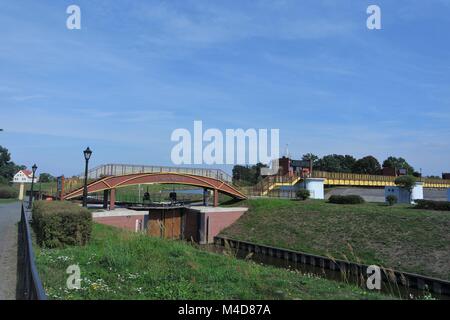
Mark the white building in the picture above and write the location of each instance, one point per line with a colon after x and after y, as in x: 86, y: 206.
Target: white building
x: 404, y: 196
x: 24, y: 176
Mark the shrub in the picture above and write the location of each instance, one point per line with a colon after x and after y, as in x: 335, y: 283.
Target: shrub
x: 432, y: 205
x: 406, y: 182
x: 4, y: 181
x: 7, y: 192
x: 60, y: 223
x: 391, y: 199
x: 302, y: 194
x: 350, y: 199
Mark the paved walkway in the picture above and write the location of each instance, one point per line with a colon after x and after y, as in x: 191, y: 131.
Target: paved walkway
x: 9, y: 216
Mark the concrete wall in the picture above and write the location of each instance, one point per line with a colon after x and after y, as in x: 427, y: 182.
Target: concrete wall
x: 201, y: 223
x: 403, y: 196
x: 214, y: 219
x: 417, y: 191
x: 129, y: 220
x: 315, y: 187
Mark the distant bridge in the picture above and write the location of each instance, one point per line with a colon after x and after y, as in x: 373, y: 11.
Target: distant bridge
x: 338, y: 179
x: 352, y: 179
x: 109, y: 184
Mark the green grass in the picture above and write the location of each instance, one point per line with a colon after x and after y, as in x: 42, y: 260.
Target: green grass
x: 124, y: 265
x: 398, y: 237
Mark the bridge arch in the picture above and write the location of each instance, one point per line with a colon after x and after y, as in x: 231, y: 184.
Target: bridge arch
x: 114, y: 182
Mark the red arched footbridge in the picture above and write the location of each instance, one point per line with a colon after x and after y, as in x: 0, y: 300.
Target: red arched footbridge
x: 111, y: 183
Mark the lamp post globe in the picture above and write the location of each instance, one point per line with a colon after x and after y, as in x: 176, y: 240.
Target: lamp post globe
x: 30, y: 199
x: 87, y: 155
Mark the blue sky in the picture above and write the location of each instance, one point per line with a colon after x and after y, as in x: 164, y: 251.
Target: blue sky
x: 137, y: 70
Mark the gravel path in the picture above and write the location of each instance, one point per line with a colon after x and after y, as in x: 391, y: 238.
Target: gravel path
x: 9, y: 216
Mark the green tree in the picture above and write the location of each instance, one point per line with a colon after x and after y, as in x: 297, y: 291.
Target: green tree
x: 398, y: 163
x: 313, y: 157
x: 337, y: 163
x: 257, y: 171
x: 367, y: 165
x: 46, y: 177
x: 249, y: 175
x: 7, y: 168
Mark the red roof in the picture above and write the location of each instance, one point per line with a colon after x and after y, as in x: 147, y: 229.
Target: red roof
x: 28, y: 173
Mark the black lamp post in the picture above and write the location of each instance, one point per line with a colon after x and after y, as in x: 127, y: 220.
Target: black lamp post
x: 87, y: 156
x: 30, y: 201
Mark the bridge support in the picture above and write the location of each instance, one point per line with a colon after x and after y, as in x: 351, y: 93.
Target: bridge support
x: 21, y: 191
x: 216, y: 198
x: 315, y: 187
x: 105, y: 199
x: 112, y: 200
x: 205, y: 196
x: 417, y: 192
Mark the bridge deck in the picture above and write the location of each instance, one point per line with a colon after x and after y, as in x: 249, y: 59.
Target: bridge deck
x: 124, y: 169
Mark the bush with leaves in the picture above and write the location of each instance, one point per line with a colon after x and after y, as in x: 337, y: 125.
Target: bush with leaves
x: 302, y: 194
x: 432, y: 205
x: 350, y: 199
x: 61, y: 223
x: 406, y: 182
x: 7, y: 192
x: 391, y: 199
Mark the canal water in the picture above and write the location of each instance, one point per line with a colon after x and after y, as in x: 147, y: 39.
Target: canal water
x: 388, y: 288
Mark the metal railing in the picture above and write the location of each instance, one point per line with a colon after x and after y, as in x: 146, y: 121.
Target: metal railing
x: 369, y: 177
x: 267, y: 185
x: 122, y: 169
x: 30, y: 284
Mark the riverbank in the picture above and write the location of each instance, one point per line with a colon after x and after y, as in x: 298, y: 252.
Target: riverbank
x: 397, y: 237
x: 122, y: 265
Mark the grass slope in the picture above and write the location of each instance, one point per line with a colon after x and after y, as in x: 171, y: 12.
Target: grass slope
x: 397, y: 237
x: 123, y: 265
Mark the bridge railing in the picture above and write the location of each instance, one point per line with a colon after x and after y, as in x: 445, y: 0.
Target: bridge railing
x: 30, y: 284
x: 350, y: 176
x: 369, y: 177
x: 264, y: 186
x: 122, y: 169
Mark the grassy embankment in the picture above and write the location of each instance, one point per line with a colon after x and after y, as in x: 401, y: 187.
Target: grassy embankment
x: 397, y: 237
x: 123, y: 265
